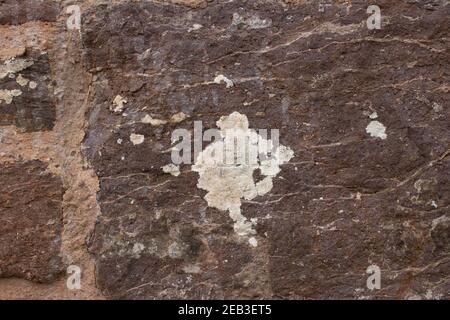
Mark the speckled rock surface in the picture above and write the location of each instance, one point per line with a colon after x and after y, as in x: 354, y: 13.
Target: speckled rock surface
x: 30, y: 222
x: 364, y: 112
x: 32, y: 108
x: 16, y: 12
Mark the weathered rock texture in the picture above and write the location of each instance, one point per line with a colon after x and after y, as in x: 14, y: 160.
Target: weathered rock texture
x: 366, y: 113
x: 16, y: 12
x: 32, y: 107
x: 30, y: 222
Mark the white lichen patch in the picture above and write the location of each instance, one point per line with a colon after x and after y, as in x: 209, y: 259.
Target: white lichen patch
x: 253, y: 242
x: 437, y: 107
x: 175, y: 251
x: 32, y: 85
x: 373, y: 115
x: 377, y: 130
x: 118, y: 104
x: 252, y: 22
x: 227, y: 184
x: 12, y: 66
x: 8, y: 95
x: 192, y: 268
x: 178, y: 117
x: 154, y: 122
x: 195, y: 26
x: 336, y: 28
x: 172, y: 169
x: 221, y: 78
x: 138, y: 248
x: 137, y: 138
x: 22, y: 81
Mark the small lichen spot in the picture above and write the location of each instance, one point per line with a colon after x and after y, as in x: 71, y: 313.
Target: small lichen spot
x: 8, y: 95
x: 221, y: 78
x: 118, y: 104
x: 33, y: 85
x: 377, y: 130
x: 22, y: 81
x: 137, y: 138
x: 253, y: 242
x: 172, y: 169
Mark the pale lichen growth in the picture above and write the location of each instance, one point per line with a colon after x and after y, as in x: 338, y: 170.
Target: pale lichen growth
x: 437, y: 108
x: 138, y: 248
x: 373, y: 115
x: 154, y: 122
x: 192, y: 269
x: 178, y: 117
x: 377, y: 130
x: 175, y: 251
x: 253, y: 242
x: 118, y: 104
x: 172, y: 169
x: 227, y: 184
x: 221, y: 78
x: 195, y: 26
x: 12, y: 66
x: 22, y: 81
x: 32, y: 85
x: 137, y: 138
x: 9, y: 69
x: 8, y: 95
x: 252, y: 22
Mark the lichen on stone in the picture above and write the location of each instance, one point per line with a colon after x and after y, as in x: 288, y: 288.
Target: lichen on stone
x: 12, y: 66
x: 228, y: 183
x: 377, y: 130
x: 8, y: 95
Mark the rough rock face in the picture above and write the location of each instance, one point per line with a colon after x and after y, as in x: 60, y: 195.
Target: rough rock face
x: 347, y: 199
x: 364, y: 111
x: 16, y: 12
x: 24, y: 89
x: 30, y: 222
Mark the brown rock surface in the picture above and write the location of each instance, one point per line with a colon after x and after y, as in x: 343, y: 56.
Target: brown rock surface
x: 33, y: 108
x: 30, y: 222
x: 365, y: 113
x: 15, y: 12
x: 346, y: 201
